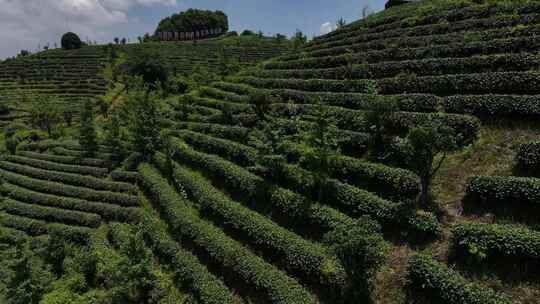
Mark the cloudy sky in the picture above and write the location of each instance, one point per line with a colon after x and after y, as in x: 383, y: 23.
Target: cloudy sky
x: 29, y: 24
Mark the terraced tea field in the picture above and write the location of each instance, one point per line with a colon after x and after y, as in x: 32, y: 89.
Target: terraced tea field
x: 233, y: 205
x: 70, y: 77
x: 50, y: 188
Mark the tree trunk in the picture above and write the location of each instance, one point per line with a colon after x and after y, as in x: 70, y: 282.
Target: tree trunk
x: 425, y: 182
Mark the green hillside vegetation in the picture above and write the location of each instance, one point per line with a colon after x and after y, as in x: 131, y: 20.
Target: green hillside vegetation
x: 68, y: 77
x: 394, y: 160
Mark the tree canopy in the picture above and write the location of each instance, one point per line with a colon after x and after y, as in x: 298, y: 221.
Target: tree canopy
x: 71, y: 41
x: 194, y: 20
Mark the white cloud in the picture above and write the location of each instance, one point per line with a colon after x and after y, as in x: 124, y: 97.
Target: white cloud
x: 24, y: 24
x: 326, y: 28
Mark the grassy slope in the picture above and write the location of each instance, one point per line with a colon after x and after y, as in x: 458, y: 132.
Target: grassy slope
x: 492, y: 154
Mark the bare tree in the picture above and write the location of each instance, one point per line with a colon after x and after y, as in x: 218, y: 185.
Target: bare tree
x: 365, y: 11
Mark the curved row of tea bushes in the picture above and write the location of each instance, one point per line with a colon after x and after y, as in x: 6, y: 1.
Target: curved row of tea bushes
x: 423, y: 67
x: 434, y: 281
x: 69, y: 191
x: 37, y: 227
x: 357, y: 101
x: 485, y: 106
x: 49, y: 214
x: 377, y: 178
x: 106, y: 211
x: 79, y: 154
x: 436, y: 29
x: 496, y: 241
x: 231, y: 254
x: 513, y: 191
x: 528, y: 159
x: 224, y: 106
x: 358, y: 202
x: 68, y: 178
x: 236, y: 133
x: 309, y: 258
x: 120, y: 175
x: 253, y: 188
x: 188, y: 269
x: 66, y: 160
x: 398, y: 122
x: 220, y: 94
x: 56, y: 166
x: 480, y: 83
x: 457, y: 49
x: 469, y: 17
x: 417, y: 42
x: 231, y: 150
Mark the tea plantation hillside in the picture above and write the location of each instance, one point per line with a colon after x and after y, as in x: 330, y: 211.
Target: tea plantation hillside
x: 71, y: 76
x: 394, y: 160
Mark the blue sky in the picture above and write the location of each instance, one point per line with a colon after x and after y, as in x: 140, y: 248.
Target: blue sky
x: 29, y: 24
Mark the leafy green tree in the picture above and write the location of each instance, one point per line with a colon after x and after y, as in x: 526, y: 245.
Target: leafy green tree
x: 194, y: 20
x: 322, y: 140
x: 146, y: 63
x: 226, y: 65
x: 391, y: 3
x: 45, y: 115
x: 362, y: 250
x: 260, y: 102
x: 426, y: 148
x: 87, y: 134
x: 70, y: 41
x: 144, y: 120
x: 379, y: 136
x: 29, y: 278
x: 299, y: 39
x: 268, y: 139
x: 113, y: 137
x: 247, y: 33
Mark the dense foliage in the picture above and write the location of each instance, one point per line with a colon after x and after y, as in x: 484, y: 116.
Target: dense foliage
x: 194, y: 20
x: 70, y: 41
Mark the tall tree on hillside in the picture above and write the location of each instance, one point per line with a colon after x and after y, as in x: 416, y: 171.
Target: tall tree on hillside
x: 45, y: 115
x: 299, y: 39
x: 144, y: 119
x: 426, y: 148
x: 340, y: 23
x: 87, y: 134
x: 29, y: 278
x: 71, y: 41
x: 322, y: 140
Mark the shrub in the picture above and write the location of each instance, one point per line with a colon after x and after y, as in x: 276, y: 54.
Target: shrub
x: 492, y: 106
x: 70, y: 41
x: 438, y: 284
x: 528, y: 159
x: 383, y: 180
x: 518, y: 191
x: 512, y: 244
x: 362, y: 250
